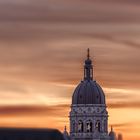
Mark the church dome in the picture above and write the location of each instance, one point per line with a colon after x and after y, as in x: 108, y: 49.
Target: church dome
x: 88, y: 91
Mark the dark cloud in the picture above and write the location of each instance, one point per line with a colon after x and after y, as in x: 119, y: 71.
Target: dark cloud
x: 112, y: 38
x: 69, y: 11
x: 34, y: 110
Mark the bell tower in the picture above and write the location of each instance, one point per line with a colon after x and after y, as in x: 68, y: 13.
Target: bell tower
x: 88, y: 115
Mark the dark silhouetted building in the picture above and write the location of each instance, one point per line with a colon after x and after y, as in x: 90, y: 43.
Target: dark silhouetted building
x: 29, y: 134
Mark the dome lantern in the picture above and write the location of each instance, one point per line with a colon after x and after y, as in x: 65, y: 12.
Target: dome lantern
x: 88, y: 68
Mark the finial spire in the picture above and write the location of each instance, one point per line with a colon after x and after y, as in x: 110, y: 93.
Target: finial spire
x: 65, y: 128
x: 111, y: 128
x: 88, y: 68
x: 88, y: 53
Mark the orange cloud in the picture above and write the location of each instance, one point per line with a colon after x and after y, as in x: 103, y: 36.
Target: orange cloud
x: 31, y: 110
x: 129, y: 104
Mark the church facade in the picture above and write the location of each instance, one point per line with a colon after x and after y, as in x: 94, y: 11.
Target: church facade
x: 88, y: 115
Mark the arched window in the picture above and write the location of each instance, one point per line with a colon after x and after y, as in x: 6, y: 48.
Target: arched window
x: 80, y: 126
x: 89, y: 126
x: 105, y: 126
x: 98, y: 126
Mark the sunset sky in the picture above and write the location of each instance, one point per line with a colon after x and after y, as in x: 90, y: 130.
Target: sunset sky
x: 43, y: 45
